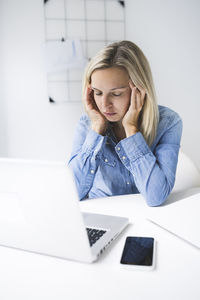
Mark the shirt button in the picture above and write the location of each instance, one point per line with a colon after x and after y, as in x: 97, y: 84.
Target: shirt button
x: 128, y: 182
x: 123, y: 157
x: 92, y: 171
x: 106, y: 160
x: 118, y: 148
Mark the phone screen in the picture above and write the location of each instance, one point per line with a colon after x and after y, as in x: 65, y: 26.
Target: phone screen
x: 138, y: 251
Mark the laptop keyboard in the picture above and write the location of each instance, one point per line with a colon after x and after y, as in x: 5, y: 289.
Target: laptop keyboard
x: 94, y: 235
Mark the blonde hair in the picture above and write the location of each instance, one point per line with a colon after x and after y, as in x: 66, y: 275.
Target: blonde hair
x: 127, y: 55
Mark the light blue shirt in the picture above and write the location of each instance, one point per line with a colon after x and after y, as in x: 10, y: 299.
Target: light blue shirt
x: 102, y: 166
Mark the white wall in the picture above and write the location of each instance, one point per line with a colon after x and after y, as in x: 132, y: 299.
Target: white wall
x: 31, y: 127
x: 168, y: 31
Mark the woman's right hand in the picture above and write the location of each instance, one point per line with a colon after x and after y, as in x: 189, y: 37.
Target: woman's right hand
x: 98, y: 121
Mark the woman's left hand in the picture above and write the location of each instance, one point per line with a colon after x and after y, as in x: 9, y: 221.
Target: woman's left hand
x: 130, y: 119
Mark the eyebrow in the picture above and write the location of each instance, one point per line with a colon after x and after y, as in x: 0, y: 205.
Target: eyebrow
x: 117, y: 88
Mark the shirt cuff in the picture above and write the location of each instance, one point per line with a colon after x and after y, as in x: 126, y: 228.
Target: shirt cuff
x: 93, y: 142
x: 132, y: 148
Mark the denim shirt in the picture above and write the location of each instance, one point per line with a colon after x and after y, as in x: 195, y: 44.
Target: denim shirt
x: 102, y: 166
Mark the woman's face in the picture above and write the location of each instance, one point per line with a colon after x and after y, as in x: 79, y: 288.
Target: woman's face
x: 111, y: 92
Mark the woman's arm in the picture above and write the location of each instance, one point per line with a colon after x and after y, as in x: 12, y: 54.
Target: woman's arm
x: 84, y: 158
x: 153, y: 172
x: 88, y: 141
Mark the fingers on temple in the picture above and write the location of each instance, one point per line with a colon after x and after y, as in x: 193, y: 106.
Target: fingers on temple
x: 87, y: 94
x: 143, y: 93
x: 136, y: 98
x: 141, y: 96
x: 138, y: 101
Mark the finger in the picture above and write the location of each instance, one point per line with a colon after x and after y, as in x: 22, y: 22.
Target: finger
x: 88, y: 91
x: 143, y: 96
x: 131, y: 85
x: 140, y: 89
x: 87, y: 99
x: 133, y: 103
x: 85, y: 93
x: 143, y: 93
x: 134, y: 95
x: 88, y: 95
x: 138, y: 101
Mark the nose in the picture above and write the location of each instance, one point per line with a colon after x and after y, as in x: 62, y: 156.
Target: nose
x: 106, y: 101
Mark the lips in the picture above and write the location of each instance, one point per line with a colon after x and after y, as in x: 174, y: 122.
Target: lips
x: 109, y: 114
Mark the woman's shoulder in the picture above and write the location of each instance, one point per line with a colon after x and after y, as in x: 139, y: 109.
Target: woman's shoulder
x: 168, y: 119
x: 168, y: 116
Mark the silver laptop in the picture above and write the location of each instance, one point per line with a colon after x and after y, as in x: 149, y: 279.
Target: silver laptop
x: 39, y: 212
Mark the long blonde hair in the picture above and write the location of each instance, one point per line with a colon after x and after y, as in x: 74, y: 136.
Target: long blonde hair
x: 129, y: 56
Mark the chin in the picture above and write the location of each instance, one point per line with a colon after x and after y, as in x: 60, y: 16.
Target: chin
x: 113, y: 119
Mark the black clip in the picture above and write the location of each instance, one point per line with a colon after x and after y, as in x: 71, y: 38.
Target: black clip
x: 51, y: 100
x: 122, y: 3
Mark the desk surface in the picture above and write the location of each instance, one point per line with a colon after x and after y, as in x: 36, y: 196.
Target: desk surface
x: 29, y: 276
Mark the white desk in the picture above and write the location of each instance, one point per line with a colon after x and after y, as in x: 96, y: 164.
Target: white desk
x: 28, y: 276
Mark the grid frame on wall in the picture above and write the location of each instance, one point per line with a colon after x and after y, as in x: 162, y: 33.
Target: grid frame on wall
x: 95, y: 23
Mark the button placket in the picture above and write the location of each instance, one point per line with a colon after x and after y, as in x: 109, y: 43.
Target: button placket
x: 108, y: 160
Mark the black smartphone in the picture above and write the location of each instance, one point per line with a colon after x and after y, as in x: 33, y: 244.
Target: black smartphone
x: 139, y: 252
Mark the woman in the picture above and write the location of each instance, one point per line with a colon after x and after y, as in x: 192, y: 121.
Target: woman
x: 126, y: 143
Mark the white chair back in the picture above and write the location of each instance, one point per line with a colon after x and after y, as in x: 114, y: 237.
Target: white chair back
x: 187, y: 175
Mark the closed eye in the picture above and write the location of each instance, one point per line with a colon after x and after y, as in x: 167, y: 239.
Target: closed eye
x: 113, y: 94
x: 116, y: 95
x: 98, y: 93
